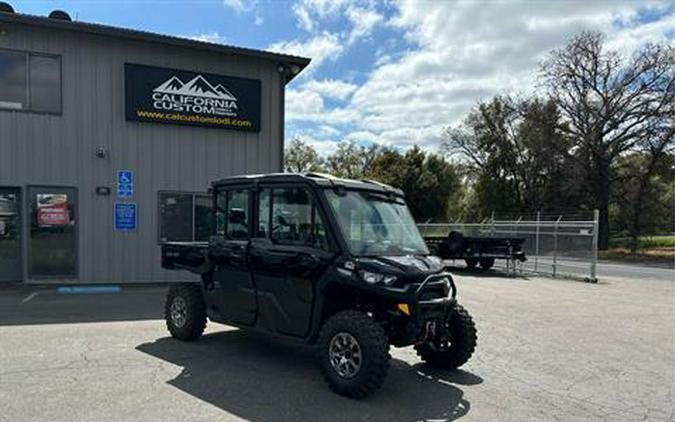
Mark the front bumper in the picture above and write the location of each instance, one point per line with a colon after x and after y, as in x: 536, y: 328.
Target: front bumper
x: 429, y: 300
x: 426, y: 303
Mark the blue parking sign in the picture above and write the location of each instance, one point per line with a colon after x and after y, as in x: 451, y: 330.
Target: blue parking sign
x: 125, y: 216
x: 125, y: 184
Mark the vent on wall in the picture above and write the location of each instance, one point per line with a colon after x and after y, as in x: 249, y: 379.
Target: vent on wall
x: 6, y: 7
x: 61, y: 15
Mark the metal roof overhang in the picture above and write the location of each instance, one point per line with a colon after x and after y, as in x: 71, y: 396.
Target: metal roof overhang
x: 136, y: 35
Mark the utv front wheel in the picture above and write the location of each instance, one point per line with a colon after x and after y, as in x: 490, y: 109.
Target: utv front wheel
x: 353, y: 354
x: 456, y: 348
x: 185, y: 312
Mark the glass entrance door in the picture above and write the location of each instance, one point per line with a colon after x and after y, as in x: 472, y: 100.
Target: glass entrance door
x: 10, y: 235
x: 52, y: 246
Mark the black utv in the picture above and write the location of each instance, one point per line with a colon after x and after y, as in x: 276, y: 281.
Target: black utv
x: 332, y: 262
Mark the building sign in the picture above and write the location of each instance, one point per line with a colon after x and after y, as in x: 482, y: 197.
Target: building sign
x: 52, y: 210
x: 125, y: 184
x: 162, y: 95
x: 125, y: 216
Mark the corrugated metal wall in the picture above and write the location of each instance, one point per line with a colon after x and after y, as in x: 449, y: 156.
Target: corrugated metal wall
x: 60, y: 150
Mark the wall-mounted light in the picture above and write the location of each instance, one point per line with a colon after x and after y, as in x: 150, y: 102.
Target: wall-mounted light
x: 289, y: 71
x: 102, y: 191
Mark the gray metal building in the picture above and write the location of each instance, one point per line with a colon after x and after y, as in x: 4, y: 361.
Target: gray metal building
x: 110, y: 137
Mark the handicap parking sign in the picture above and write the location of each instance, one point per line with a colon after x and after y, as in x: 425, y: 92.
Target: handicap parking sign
x: 125, y: 184
x: 125, y: 216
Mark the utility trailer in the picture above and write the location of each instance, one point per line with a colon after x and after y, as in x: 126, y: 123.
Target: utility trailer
x: 476, y: 251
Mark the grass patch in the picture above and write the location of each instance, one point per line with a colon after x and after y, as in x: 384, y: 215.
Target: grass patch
x: 662, y: 255
x: 644, y: 242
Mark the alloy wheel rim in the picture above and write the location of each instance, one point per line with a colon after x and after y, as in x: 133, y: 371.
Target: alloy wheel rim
x: 178, y: 311
x: 344, y: 353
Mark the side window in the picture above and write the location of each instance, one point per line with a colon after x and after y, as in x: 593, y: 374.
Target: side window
x: 176, y: 216
x: 264, y: 213
x: 295, y: 219
x: 185, y: 217
x: 320, y: 233
x: 13, y: 80
x: 30, y: 82
x: 203, y: 218
x: 232, y: 214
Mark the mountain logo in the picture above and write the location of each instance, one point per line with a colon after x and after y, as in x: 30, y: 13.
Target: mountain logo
x: 198, y: 86
x: 197, y: 95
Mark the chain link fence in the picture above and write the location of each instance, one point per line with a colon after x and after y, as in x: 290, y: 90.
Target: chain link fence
x: 555, y: 245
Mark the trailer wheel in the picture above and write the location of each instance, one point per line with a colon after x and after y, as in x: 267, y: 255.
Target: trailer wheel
x: 455, y: 243
x: 185, y: 312
x: 471, y: 262
x: 455, y: 350
x: 487, y: 263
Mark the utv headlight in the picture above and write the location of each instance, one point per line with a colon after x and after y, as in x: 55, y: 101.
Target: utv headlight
x: 376, y: 278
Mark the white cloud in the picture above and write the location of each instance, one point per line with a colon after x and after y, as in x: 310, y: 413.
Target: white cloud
x: 308, y: 10
x: 363, y: 21
x: 240, y: 6
x: 461, y: 53
x: 259, y: 20
x: 322, y: 146
x: 304, y: 20
x: 330, y: 88
x: 213, y: 37
x: 362, y: 15
x: 327, y: 131
x: 320, y: 48
x: 300, y: 105
x: 363, y: 136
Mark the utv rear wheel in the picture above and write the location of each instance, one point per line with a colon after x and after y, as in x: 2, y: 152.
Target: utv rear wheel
x: 353, y: 354
x: 185, y: 312
x: 471, y: 262
x: 455, y: 350
x: 487, y: 263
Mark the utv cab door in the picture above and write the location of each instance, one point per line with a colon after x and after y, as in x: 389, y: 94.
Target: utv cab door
x: 290, y: 250
x: 230, y: 296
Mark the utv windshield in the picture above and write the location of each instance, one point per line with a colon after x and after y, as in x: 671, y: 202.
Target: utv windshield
x: 374, y: 224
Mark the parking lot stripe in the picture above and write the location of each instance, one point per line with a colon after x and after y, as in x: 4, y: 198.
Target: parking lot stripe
x: 29, y: 297
x: 88, y: 289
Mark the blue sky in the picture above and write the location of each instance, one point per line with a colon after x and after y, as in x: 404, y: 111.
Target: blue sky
x: 395, y: 73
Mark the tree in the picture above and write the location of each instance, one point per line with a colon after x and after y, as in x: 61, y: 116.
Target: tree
x: 516, y: 157
x: 643, y: 200
x: 301, y: 157
x: 609, y: 103
x: 431, y: 184
x: 351, y: 160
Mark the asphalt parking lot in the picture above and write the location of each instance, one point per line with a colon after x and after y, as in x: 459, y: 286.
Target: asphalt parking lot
x: 548, y: 350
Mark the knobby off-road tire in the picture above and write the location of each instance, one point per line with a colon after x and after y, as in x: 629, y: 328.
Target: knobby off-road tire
x: 185, y: 312
x: 345, y: 328
x: 456, y: 352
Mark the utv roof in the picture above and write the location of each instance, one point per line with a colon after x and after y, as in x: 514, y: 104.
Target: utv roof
x: 316, y: 179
